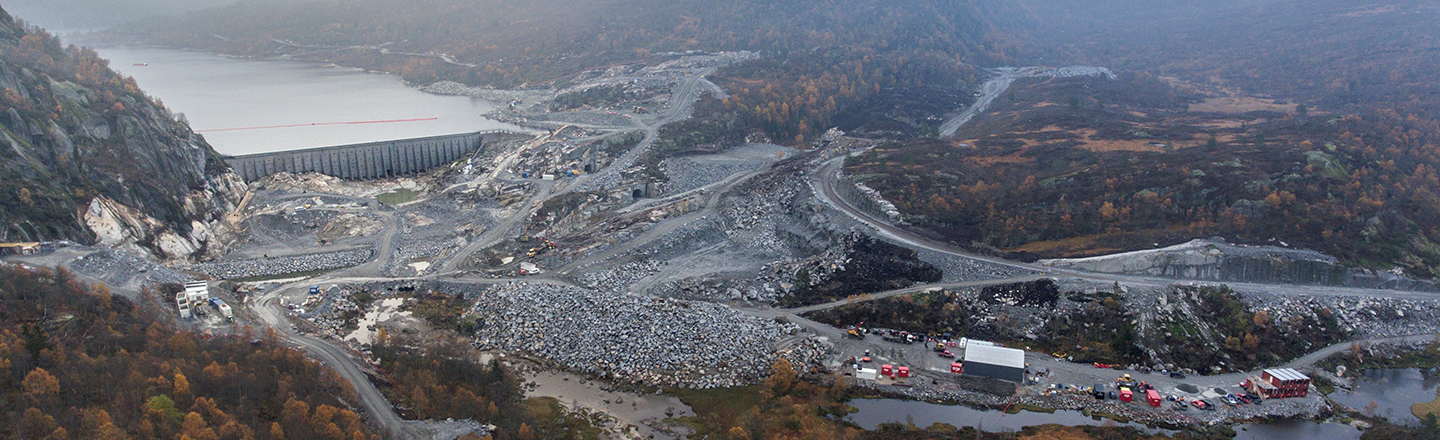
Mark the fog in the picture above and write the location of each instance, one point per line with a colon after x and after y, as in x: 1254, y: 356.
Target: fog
x: 69, y: 15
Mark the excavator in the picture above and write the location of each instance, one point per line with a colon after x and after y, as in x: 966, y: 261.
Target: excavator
x: 856, y: 331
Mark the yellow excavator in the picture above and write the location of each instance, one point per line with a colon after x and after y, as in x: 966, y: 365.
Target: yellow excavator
x: 855, y: 331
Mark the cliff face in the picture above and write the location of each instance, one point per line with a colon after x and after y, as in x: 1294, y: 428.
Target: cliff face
x: 86, y: 156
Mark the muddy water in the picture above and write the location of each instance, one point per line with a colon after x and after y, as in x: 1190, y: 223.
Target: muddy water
x: 628, y: 408
x: 388, y: 308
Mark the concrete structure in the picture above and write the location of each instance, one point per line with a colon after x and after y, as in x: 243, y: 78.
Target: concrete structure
x: 1282, y: 382
x: 867, y: 374
x: 994, y: 362
x: 373, y: 160
x: 197, y: 292
x: 31, y: 248
x: 182, y: 303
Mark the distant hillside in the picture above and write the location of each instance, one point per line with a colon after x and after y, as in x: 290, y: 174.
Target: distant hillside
x: 510, y: 43
x: 1264, y: 122
x: 872, y: 65
x: 86, y: 156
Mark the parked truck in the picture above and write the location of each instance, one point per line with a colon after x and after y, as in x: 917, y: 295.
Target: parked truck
x: 224, y: 309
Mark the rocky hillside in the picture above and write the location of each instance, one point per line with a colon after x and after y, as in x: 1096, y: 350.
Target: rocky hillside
x: 86, y: 156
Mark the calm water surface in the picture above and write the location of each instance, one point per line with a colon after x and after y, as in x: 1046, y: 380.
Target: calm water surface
x: 873, y: 412
x: 216, y: 92
x: 1392, y: 391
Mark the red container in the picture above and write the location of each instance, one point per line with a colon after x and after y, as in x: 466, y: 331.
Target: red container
x: 957, y: 368
x: 886, y: 370
x: 1126, y: 395
x: 903, y: 371
x: 1153, y: 398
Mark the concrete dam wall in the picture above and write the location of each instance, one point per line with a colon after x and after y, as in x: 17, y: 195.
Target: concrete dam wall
x: 372, y: 160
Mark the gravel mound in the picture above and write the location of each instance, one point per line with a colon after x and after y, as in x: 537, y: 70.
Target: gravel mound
x: 120, y: 269
x: 262, y: 267
x: 634, y: 338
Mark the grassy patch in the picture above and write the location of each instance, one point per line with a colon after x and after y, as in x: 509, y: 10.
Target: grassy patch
x: 397, y: 196
x: 1016, y: 409
x: 733, y: 400
x: 443, y: 311
x: 1426, y: 408
x: 717, y: 409
x: 548, y: 413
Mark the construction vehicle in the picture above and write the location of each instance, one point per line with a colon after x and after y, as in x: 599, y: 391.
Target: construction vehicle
x: 857, y: 332
x: 939, y: 347
x: 532, y: 253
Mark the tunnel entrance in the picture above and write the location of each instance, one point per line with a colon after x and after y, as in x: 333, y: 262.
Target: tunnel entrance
x: 637, y: 193
x: 589, y: 169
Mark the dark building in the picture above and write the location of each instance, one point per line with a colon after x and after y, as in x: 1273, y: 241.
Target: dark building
x: 994, y: 362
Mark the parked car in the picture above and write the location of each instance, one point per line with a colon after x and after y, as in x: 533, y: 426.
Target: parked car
x: 1177, y: 375
x: 1179, y: 405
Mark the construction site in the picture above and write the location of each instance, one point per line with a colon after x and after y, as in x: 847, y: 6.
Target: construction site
x: 575, y: 251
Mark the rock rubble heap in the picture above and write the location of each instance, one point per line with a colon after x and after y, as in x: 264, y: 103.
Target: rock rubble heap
x: 262, y: 267
x: 634, y: 338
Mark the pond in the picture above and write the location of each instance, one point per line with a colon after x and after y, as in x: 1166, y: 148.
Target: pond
x: 1391, y: 391
x: 874, y: 412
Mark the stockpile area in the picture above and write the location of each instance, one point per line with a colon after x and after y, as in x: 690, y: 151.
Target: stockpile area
x: 118, y: 268
x: 1370, y: 317
x: 619, y: 278
x: 436, y: 227
x: 687, y: 173
x: 289, y: 264
x: 957, y: 268
x: 631, y: 338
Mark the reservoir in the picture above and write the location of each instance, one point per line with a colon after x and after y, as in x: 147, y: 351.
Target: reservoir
x: 300, y: 104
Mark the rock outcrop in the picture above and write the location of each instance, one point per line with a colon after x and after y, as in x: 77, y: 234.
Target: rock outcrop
x: 1216, y: 260
x: 86, y: 156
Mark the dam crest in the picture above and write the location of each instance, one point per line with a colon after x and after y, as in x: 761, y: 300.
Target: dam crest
x: 370, y: 160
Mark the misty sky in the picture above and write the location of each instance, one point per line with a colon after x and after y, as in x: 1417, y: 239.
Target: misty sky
x: 63, y: 15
